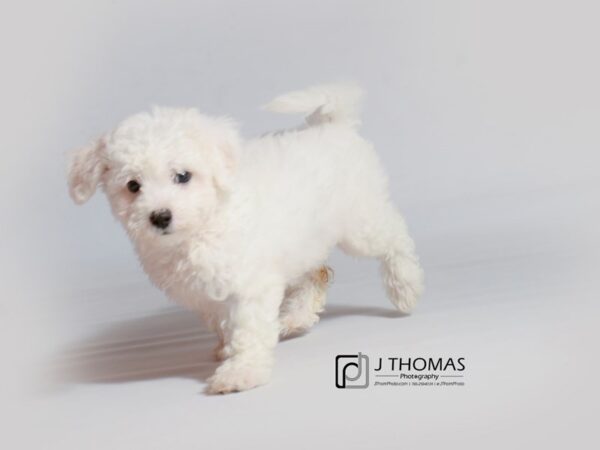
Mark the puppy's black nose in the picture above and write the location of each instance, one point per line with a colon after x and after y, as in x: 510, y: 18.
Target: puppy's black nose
x: 161, y: 218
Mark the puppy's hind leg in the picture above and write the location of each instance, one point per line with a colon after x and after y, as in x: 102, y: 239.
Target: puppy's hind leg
x: 304, y: 301
x: 383, y: 234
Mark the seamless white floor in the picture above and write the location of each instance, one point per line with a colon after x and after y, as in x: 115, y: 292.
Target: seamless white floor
x: 513, y: 292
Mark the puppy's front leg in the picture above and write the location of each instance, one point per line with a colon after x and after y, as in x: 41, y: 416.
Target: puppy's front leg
x: 252, y: 337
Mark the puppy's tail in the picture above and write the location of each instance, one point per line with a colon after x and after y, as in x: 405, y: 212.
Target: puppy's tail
x: 326, y: 103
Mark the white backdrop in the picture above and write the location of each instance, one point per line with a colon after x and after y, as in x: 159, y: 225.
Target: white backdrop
x: 486, y: 115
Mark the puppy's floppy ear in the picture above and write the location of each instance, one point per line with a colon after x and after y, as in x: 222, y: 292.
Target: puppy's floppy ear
x: 226, y: 154
x: 86, y: 166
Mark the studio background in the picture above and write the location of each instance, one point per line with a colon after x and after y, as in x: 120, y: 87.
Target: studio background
x: 486, y: 116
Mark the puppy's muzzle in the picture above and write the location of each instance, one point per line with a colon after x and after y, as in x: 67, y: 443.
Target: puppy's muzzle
x: 161, y: 218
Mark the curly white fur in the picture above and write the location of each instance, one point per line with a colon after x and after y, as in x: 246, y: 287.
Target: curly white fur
x: 253, y: 227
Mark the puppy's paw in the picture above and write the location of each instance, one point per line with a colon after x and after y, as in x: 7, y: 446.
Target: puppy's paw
x: 297, y: 322
x: 403, y: 280
x: 236, y: 376
x: 301, y: 308
x: 405, y: 297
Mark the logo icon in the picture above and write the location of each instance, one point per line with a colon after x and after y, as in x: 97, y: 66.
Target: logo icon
x: 352, y: 371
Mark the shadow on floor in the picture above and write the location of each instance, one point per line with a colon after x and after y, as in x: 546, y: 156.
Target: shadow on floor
x: 169, y: 344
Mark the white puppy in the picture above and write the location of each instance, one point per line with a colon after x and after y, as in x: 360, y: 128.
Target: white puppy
x: 239, y: 231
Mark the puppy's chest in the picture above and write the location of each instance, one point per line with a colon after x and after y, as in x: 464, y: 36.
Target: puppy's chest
x: 190, y: 275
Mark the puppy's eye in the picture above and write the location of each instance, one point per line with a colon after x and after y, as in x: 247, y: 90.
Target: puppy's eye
x: 182, y: 177
x: 133, y: 186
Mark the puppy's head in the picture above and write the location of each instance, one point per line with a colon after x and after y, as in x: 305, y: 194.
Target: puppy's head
x: 163, y: 172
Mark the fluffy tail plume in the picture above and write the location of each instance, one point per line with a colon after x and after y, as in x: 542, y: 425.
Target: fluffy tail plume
x: 326, y: 103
